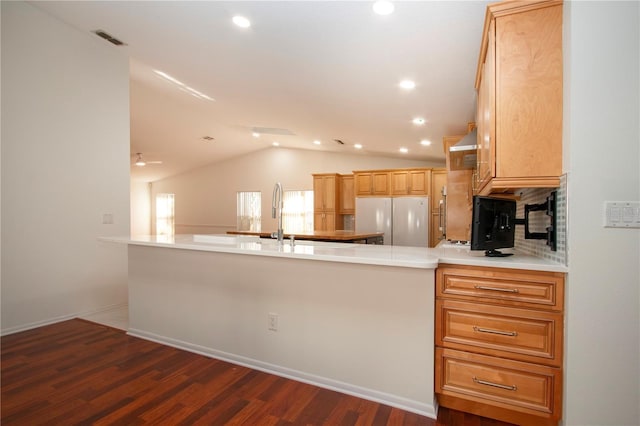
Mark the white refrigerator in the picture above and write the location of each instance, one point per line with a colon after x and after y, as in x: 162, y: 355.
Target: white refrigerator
x: 404, y: 220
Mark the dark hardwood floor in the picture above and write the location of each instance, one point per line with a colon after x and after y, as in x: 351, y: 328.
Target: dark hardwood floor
x: 77, y: 372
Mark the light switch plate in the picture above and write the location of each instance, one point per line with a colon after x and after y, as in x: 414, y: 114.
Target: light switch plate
x: 107, y: 219
x: 622, y: 214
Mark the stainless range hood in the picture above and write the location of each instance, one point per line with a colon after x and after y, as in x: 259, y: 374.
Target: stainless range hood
x: 463, y: 155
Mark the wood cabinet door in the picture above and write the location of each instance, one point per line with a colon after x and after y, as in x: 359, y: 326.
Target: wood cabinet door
x: 329, y: 193
x: 347, y: 201
x: 410, y: 182
x: 400, y: 182
x: 528, y: 52
x: 363, y: 183
x: 486, y: 115
x: 318, y: 193
x: 318, y: 221
x: 419, y: 181
x: 381, y: 183
x: 459, y: 205
x: 329, y: 221
x: 324, y: 192
x: 324, y: 221
x: 438, y: 183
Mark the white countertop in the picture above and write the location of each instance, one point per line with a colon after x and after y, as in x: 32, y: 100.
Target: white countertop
x: 462, y: 255
x: 408, y: 257
x: 384, y: 255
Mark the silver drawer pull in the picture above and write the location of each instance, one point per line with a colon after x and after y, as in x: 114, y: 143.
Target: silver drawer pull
x: 488, y: 330
x: 495, y: 385
x: 504, y: 290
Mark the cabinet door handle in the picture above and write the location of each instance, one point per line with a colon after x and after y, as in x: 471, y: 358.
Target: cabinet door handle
x: 504, y: 290
x: 495, y: 385
x: 490, y: 331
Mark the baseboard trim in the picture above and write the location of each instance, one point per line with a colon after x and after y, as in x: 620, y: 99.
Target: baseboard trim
x: 417, y: 407
x: 42, y: 323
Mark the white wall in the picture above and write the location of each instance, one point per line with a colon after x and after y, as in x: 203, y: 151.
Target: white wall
x: 206, y: 198
x: 602, y: 133
x: 361, y: 329
x: 65, y: 163
x: 140, y: 208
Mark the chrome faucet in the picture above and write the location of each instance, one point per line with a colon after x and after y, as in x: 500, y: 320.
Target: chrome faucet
x: 276, y: 208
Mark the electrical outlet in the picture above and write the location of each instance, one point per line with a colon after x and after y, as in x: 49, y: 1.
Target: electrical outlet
x: 272, y: 322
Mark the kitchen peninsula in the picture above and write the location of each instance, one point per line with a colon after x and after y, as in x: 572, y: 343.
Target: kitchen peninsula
x: 313, y: 311
x: 351, y: 317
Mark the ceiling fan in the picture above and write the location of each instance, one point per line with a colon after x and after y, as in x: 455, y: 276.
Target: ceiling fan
x: 141, y: 163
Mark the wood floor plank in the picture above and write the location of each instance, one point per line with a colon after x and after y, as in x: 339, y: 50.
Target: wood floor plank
x: 80, y: 373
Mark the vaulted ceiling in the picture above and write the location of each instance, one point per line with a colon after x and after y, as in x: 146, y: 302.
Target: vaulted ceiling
x: 304, y: 71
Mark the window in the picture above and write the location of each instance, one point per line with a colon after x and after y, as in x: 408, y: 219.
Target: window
x: 297, y: 212
x: 249, y: 211
x: 165, y: 214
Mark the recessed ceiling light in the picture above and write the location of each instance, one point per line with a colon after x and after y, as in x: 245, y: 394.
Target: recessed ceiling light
x: 419, y: 121
x: 357, y: 146
x: 425, y: 142
x: 256, y: 134
x: 403, y: 150
x: 317, y: 142
x: 383, y: 7
x: 407, y: 85
x: 241, y: 21
x: 276, y: 143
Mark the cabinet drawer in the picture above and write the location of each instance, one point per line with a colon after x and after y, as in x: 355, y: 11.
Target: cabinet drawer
x: 519, y: 386
x: 521, y: 334
x: 538, y: 290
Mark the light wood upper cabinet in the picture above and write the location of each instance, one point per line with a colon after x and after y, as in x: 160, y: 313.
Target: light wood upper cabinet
x: 374, y: 183
x: 519, y: 84
x: 347, y: 195
x: 410, y: 182
x: 486, y: 115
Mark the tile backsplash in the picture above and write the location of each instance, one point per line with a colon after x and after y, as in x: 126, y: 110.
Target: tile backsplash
x: 538, y: 222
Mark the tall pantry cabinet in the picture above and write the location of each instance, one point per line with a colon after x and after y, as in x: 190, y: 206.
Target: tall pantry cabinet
x: 326, y: 195
x: 438, y: 219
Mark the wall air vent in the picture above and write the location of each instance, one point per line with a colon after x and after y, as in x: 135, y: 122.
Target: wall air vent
x: 109, y: 38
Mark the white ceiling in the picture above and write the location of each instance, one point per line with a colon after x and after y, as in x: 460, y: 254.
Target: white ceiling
x: 322, y: 70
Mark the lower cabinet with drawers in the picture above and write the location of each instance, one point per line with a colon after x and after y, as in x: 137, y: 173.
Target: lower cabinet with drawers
x: 499, y: 343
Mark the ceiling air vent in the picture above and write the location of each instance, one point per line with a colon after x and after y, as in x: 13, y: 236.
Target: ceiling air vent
x: 272, y: 131
x: 109, y: 38
x: 338, y: 141
x: 207, y: 138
